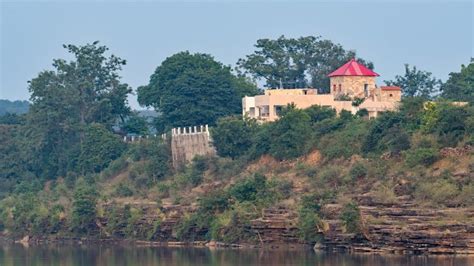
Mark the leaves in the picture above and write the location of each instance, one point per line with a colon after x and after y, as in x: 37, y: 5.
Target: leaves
x: 194, y: 89
x: 295, y: 63
x: 416, y: 83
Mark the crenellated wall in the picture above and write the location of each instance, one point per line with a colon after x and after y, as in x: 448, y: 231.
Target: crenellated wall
x: 187, y: 142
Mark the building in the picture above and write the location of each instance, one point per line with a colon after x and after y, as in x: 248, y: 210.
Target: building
x: 352, y: 81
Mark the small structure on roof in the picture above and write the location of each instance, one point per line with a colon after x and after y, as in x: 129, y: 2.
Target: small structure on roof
x: 349, y: 82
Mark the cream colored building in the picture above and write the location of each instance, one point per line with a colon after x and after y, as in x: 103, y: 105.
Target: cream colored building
x: 350, y: 81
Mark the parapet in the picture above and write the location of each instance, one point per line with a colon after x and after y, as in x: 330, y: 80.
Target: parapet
x: 190, y: 130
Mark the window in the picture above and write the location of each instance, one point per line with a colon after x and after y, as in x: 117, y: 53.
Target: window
x: 366, y: 90
x: 340, y: 88
x: 252, y: 111
x: 264, y: 110
x: 390, y: 95
x: 278, y: 109
x: 334, y: 88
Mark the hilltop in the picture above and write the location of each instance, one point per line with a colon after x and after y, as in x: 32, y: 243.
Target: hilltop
x: 340, y: 181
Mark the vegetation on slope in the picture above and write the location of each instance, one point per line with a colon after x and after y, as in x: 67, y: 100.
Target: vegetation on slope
x: 63, y: 170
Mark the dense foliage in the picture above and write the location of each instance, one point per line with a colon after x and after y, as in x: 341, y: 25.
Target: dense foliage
x: 460, y: 85
x: 416, y: 83
x: 288, y: 62
x: 193, y: 89
x: 64, y: 169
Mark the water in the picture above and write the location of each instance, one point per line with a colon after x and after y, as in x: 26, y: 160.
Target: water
x: 69, y: 255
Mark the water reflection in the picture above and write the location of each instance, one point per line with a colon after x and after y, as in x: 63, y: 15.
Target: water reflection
x: 69, y: 255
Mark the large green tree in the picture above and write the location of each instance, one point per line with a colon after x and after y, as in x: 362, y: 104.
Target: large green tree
x: 64, y: 101
x: 300, y: 62
x: 233, y: 136
x: 460, y: 85
x: 193, y: 89
x: 416, y: 83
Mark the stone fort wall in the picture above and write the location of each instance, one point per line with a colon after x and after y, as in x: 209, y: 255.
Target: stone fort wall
x: 187, y: 142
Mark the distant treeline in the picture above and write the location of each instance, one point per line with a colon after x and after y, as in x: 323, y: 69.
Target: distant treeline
x: 13, y: 107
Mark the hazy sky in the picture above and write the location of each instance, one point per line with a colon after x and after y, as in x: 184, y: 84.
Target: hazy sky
x: 437, y: 37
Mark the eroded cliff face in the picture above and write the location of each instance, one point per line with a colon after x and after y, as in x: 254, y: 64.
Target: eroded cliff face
x: 401, y: 227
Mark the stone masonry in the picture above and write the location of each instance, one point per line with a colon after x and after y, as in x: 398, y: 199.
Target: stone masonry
x: 187, y: 142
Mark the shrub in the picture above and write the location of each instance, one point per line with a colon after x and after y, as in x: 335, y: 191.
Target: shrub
x: 341, y: 143
x: 115, y: 167
x: 308, y: 218
x: 231, y: 226
x: 358, y: 170
x: 290, y: 134
x: 100, y: 147
x: 249, y: 188
x: 123, y: 190
x: 379, y: 129
x: 440, y: 192
x: 421, y: 156
x: 465, y: 197
x: 350, y: 217
x: 232, y: 136
x: 319, y: 113
x: 158, y: 165
x: 362, y: 113
x: 84, y: 207
x: 307, y: 226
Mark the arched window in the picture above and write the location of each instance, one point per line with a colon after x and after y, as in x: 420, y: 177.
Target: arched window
x: 340, y: 87
x: 334, y: 88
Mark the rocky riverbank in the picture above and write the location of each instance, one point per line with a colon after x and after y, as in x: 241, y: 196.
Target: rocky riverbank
x: 401, y: 227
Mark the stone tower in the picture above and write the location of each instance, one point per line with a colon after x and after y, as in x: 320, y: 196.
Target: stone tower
x: 353, y: 79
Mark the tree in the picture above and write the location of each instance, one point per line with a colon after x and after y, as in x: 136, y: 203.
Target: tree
x: 100, y: 147
x: 379, y: 129
x: 232, y: 136
x: 290, y: 134
x: 288, y: 62
x: 65, y: 101
x: 84, y: 207
x: 135, y: 124
x: 416, y: 83
x: 460, y: 85
x: 193, y: 89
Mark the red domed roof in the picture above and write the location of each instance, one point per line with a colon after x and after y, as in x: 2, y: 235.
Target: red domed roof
x: 353, y: 68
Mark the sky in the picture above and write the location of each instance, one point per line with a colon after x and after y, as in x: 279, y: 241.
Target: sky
x: 435, y: 36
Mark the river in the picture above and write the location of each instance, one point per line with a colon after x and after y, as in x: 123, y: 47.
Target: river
x: 116, y: 255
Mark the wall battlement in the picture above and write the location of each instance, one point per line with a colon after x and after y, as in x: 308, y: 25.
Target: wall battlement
x: 190, y: 130
x: 187, y: 142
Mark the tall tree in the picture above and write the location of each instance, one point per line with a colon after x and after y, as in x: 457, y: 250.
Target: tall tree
x: 291, y: 62
x: 193, y: 89
x: 460, y: 85
x: 416, y: 83
x: 64, y: 101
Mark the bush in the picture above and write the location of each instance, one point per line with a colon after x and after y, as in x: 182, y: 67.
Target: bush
x: 249, y: 188
x: 465, y: 197
x: 379, y: 129
x: 319, y: 113
x: 350, y: 217
x: 123, y: 190
x: 421, y: 156
x: 232, y: 226
x: 100, y: 147
x: 84, y: 208
x: 440, y: 192
x: 309, y: 218
x: 115, y: 167
x: 358, y: 170
x: 290, y: 134
x: 341, y: 143
x: 232, y: 136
